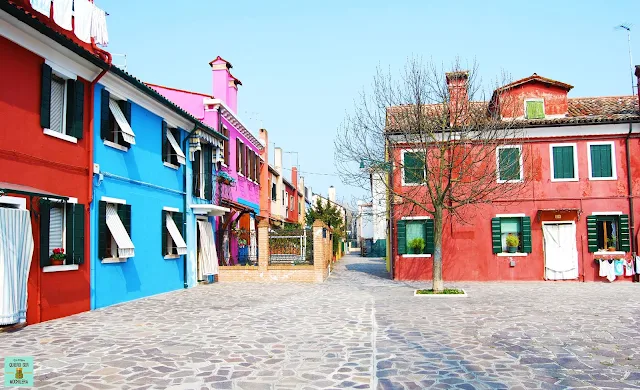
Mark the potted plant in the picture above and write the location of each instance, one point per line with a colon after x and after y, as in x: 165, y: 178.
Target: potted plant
x: 417, y: 245
x: 612, y: 244
x: 242, y: 242
x: 512, y: 243
x: 58, y: 256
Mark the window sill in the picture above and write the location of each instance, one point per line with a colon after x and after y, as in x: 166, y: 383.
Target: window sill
x: 64, y: 137
x: 603, y: 178
x: 171, y: 257
x: 510, y: 181
x: 169, y: 165
x: 60, y: 268
x: 610, y: 253
x: 420, y: 255
x: 517, y: 254
x: 115, y: 145
x: 564, y: 180
x: 108, y: 260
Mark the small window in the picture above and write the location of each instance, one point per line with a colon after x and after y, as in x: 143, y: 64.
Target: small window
x: 564, y: 163
x: 509, y: 161
x: 239, y: 158
x: 61, y: 231
x: 203, y: 172
x: 503, y: 227
x: 535, y: 109
x: 58, y: 104
x: 172, y: 153
x: 118, y: 126
x: 602, y: 164
x: 415, y: 236
x: 413, y: 167
x: 284, y: 198
x: 114, y: 231
x: 274, y: 192
x: 173, y: 243
x: 61, y: 103
x: 608, y: 232
x: 225, y: 132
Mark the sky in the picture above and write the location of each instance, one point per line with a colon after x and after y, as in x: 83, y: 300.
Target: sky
x: 303, y: 63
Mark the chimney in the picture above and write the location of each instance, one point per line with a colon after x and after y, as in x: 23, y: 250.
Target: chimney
x: 332, y: 194
x: 457, y: 83
x: 225, y: 85
x: 294, y: 177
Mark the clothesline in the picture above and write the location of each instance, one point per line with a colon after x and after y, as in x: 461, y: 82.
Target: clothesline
x: 83, y: 16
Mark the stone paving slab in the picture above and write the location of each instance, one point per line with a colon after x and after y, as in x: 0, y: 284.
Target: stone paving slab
x: 357, y: 330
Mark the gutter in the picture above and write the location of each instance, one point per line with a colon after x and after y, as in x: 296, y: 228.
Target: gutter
x: 632, y: 224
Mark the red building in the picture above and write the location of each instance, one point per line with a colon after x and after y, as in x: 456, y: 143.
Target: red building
x: 45, y: 151
x: 576, y: 210
x: 291, y: 199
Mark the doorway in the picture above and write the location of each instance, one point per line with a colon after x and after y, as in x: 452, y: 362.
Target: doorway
x: 560, y: 250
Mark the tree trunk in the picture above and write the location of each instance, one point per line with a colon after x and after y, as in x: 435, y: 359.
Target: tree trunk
x: 438, y: 284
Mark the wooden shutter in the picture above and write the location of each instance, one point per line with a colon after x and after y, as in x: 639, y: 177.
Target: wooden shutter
x: 402, y: 237
x: 105, y: 112
x: 208, y: 174
x: 496, y: 235
x: 592, y: 233
x: 563, y: 162
x: 45, y: 97
x: 623, y: 235
x: 535, y: 110
x: 196, y: 173
x: 124, y: 212
x: 126, y: 110
x: 103, y: 234
x: 164, y: 233
x: 238, y: 155
x: 45, y: 209
x: 509, y: 163
x: 526, y: 234
x: 245, y: 157
x: 601, y: 161
x: 178, y: 218
x: 257, y: 169
x: 165, y: 143
x: 225, y: 132
x: 429, y: 236
x: 75, y: 108
x: 75, y: 233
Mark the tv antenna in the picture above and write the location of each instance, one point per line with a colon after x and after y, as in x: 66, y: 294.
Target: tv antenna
x: 627, y: 27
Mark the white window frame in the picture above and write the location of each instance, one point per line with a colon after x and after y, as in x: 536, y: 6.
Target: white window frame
x: 202, y: 175
x: 64, y: 267
x: 170, y: 148
x: 405, y: 184
x: 14, y: 201
x: 575, y: 161
x: 544, y: 111
x: 240, y: 151
x: 516, y: 254
x: 170, y: 243
x: 65, y: 75
x: 519, y: 147
x: 114, y: 246
x: 417, y: 218
x: 614, y: 171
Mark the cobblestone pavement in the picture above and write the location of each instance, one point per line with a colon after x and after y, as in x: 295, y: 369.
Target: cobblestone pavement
x: 357, y: 330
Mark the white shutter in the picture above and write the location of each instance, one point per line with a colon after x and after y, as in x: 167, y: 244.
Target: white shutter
x: 56, y: 228
x: 57, y: 104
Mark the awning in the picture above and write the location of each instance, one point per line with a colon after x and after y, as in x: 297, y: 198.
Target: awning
x: 237, y: 206
x: 10, y: 188
x: 127, y: 132
x: 199, y: 137
x: 181, y: 246
x: 208, y: 258
x: 209, y: 209
x: 176, y: 148
x: 119, y: 233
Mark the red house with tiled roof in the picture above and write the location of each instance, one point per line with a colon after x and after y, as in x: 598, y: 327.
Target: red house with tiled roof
x: 575, y: 219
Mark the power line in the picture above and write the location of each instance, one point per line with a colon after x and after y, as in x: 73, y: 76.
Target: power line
x: 314, y: 173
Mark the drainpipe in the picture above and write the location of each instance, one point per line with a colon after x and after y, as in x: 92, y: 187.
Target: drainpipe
x: 185, y: 144
x: 632, y: 240
x: 390, y: 197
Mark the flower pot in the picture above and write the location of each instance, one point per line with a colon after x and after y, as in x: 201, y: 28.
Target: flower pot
x: 611, y: 249
x: 512, y: 249
x: 57, y: 262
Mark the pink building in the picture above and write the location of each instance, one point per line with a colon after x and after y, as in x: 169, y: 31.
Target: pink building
x: 238, y: 170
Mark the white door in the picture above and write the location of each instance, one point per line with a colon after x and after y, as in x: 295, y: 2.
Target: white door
x: 560, y: 251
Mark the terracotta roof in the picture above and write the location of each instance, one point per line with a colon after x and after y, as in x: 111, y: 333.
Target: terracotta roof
x: 535, y: 77
x: 603, y: 105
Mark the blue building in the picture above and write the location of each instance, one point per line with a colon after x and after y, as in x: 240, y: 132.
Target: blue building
x: 142, y: 196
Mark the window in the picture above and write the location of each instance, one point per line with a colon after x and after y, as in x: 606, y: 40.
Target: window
x: 564, y: 162
x: 291, y: 204
x: 171, y: 152
x: 61, y: 104
x: 115, y: 122
x: 284, y: 198
x: 114, y: 230
x: 225, y: 132
x: 257, y: 168
x: 509, y: 162
x: 245, y: 165
x: 202, y: 167
x: 602, y: 163
x: 239, y: 153
x: 61, y: 226
x: 608, y: 231
x: 517, y: 225
x: 534, y: 109
x: 173, y: 244
x: 299, y: 207
x: 413, y: 168
x: 274, y: 192
x: 412, y: 228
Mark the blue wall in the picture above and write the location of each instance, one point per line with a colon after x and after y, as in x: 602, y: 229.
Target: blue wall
x: 148, y: 186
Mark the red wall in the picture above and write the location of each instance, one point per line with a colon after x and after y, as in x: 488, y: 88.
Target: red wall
x: 512, y: 101
x: 292, y: 214
x: 29, y: 157
x: 467, y: 250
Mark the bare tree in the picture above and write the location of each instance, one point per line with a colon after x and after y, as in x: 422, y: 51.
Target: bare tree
x: 437, y: 134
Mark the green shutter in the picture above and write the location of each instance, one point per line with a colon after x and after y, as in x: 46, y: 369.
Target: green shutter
x: 126, y: 110
x: 429, y: 236
x: 413, y: 168
x: 71, y: 107
x: 402, y: 237
x: 196, y: 173
x: 563, y: 162
x: 509, y: 163
x: 623, y: 235
x: 178, y: 218
x: 105, y: 113
x: 164, y: 233
x: 78, y: 115
x: 45, y: 207
x: 601, y: 161
x: 496, y: 238
x: 103, y: 234
x: 208, y: 172
x: 592, y: 233
x: 526, y: 235
x: 165, y: 142
x: 75, y: 233
x: 124, y: 212
x: 45, y: 97
x: 535, y: 110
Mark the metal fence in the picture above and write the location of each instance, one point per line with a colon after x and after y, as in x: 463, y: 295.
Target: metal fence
x: 290, y: 247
